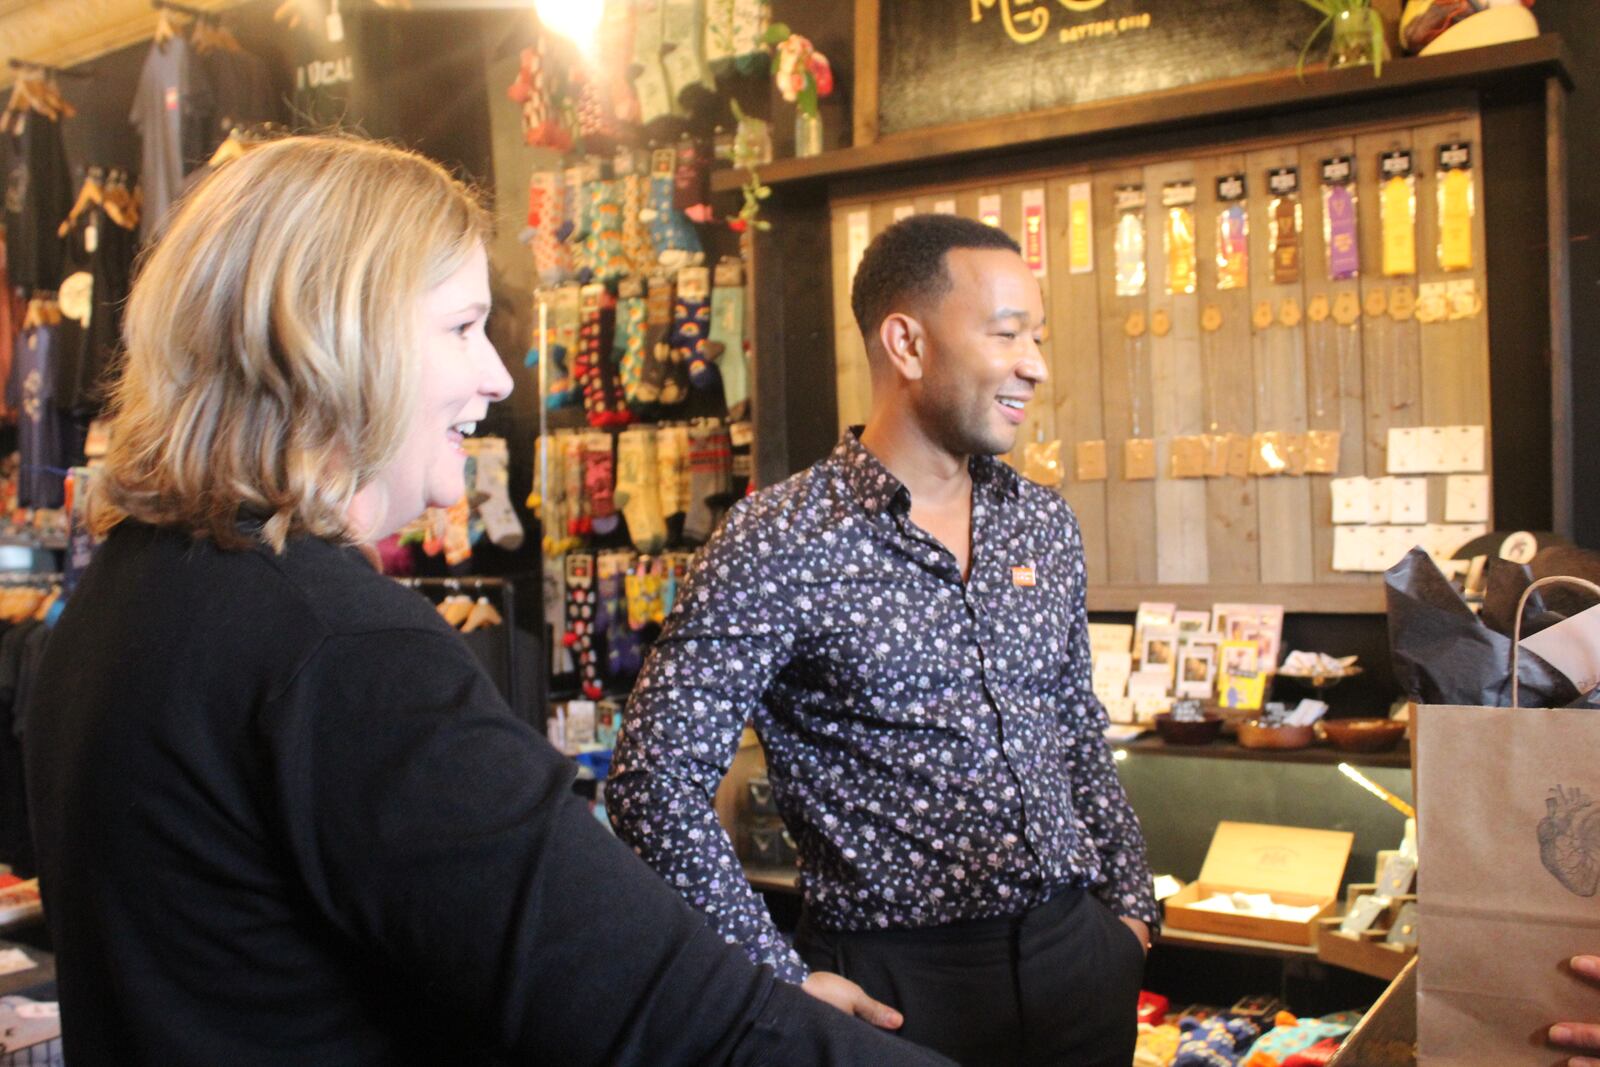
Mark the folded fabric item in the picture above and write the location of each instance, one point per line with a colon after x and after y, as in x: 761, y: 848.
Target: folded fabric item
x: 1258, y: 905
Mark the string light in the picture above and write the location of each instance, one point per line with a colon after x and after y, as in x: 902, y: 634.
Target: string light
x: 576, y: 20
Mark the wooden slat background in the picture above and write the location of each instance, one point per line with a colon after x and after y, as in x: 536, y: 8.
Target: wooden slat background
x: 1268, y: 534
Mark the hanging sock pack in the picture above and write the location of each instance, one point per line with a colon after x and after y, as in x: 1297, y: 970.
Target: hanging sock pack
x: 685, y: 60
x: 636, y: 496
x: 541, y: 124
x: 579, y: 635
x: 672, y: 470
x: 629, y: 348
x: 599, y: 482
x: 547, y: 191
x: 669, y: 383
x: 727, y: 335
x: 624, y: 652
x: 691, y: 324
x: 650, y: 79
x: 670, y: 230
x: 597, y: 375
x: 491, y: 488
x: 710, y: 473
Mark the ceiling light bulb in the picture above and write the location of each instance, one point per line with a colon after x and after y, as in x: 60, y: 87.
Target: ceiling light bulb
x: 576, y: 20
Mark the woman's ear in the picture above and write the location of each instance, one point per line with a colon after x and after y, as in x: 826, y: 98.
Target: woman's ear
x: 905, y: 344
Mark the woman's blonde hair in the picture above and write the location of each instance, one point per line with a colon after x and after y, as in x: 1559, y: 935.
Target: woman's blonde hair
x: 271, y: 365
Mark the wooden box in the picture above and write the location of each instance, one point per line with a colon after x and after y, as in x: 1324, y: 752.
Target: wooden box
x: 1367, y: 953
x: 1296, y: 866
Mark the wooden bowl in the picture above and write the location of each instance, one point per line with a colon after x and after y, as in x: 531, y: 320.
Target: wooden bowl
x: 1255, y: 733
x: 1188, y: 732
x: 1364, y: 735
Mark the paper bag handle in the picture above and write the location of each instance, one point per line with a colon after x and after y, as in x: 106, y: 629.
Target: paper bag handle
x: 1516, y: 629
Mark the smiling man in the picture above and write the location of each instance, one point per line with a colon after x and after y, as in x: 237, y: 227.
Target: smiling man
x: 904, y: 623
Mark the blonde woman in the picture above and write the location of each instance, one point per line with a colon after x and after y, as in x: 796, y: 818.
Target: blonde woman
x: 282, y: 815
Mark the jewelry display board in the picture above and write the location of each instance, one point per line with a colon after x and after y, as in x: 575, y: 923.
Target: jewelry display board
x: 1311, y: 413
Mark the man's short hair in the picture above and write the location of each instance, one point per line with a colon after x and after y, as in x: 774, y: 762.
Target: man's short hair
x: 906, y: 264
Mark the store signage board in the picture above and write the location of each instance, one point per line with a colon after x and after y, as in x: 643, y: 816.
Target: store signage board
x: 1011, y: 56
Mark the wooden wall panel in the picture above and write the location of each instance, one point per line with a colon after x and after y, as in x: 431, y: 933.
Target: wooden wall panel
x: 1454, y: 355
x: 1074, y: 343
x: 1333, y: 359
x: 1125, y: 384
x: 1175, y: 390
x: 1389, y: 349
x: 1280, y: 387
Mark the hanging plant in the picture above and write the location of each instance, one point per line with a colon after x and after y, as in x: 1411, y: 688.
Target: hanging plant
x: 749, y: 216
x: 1356, y: 35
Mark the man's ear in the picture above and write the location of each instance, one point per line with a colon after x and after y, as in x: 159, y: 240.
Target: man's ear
x: 905, y: 344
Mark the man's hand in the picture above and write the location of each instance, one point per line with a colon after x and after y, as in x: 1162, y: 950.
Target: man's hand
x: 851, y: 999
x: 1140, y: 930
x: 1580, y: 1035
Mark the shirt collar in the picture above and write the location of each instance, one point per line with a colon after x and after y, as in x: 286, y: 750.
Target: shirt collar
x: 870, y: 482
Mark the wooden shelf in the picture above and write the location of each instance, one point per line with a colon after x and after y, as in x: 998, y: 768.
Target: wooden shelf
x: 1238, y: 946
x: 1231, y: 98
x: 1150, y: 745
x: 1315, y: 598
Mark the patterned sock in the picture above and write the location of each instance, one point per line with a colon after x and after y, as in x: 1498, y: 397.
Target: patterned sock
x: 555, y: 617
x: 670, y: 382
x: 546, y: 191
x: 727, y: 336
x: 685, y: 59
x: 672, y: 234
x: 709, y: 472
x: 623, y: 658
x: 655, y: 94
x: 691, y: 321
x: 565, y: 310
x: 672, y: 470
x: 691, y: 176
x: 636, y: 496
x: 492, y: 484
x: 719, y: 32
x: 579, y: 635
x: 637, y: 247
x: 609, y: 259
x: 599, y: 482
x: 580, y: 523
x: 644, y: 594
x: 541, y: 126
x: 629, y: 347
x: 597, y: 373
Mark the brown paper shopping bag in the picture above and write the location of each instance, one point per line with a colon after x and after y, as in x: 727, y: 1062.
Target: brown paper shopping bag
x: 1508, y: 802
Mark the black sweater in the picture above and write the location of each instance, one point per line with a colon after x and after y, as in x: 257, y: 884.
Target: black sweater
x: 283, y: 817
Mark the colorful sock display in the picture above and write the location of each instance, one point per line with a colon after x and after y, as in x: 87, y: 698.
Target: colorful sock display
x: 691, y: 324
x: 640, y: 503
x: 727, y: 336
x: 599, y: 482
x: 710, y: 471
x: 606, y: 255
x: 579, y: 635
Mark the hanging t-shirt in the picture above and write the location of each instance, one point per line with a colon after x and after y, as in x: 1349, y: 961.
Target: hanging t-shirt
x: 46, y: 437
x: 241, y: 94
x: 90, y: 351
x: 328, y: 79
x: 38, y: 198
x: 172, y: 112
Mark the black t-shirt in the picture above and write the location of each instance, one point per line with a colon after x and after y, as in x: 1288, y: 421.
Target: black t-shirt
x: 89, y: 355
x: 282, y: 816
x: 38, y: 196
x: 241, y: 93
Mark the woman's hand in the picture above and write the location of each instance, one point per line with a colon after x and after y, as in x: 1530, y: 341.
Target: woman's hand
x: 1580, y: 1035
x: 851, y: 999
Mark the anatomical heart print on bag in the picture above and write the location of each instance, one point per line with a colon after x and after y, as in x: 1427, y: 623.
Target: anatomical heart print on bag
x: 1569, y: 840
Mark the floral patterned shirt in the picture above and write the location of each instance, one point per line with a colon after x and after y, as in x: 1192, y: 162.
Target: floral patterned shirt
x: 934, y: 745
